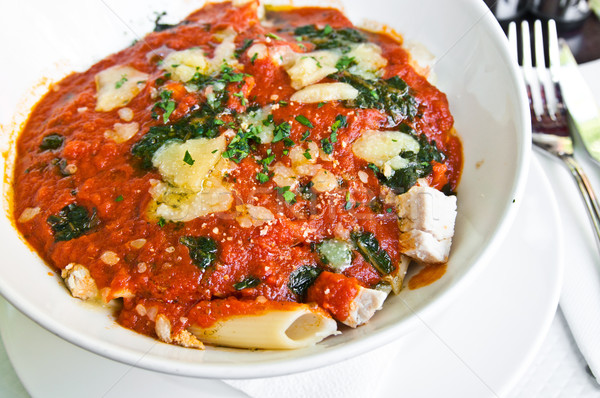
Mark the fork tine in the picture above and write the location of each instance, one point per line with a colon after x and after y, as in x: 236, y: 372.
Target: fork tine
x: 554, y: 69
x: 529, y: 74
x: 512, y: 40
x: 546, y: 83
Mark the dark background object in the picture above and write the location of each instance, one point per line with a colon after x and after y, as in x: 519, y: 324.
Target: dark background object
x: 575, y: 21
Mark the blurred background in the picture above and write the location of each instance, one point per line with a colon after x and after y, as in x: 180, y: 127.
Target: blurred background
x: 577, y: 21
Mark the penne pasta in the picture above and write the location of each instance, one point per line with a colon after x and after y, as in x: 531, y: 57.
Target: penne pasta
x: 291, y: 326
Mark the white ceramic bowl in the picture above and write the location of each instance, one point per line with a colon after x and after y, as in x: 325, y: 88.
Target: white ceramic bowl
x: 472, y: 67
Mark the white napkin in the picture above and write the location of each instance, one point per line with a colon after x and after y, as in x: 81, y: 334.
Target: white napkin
x: 580, y: 296
x: 356, y: 377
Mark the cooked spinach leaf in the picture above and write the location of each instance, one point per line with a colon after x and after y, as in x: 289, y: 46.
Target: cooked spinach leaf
x: 71, y: 222
x: 368, y: 246
x: 392, y: 96
x: 203, y: 250
x: 302, y: 278
x: 241, y: 145
x: 328, y: 37
x: 419, y: 164
x: 159, y: 26
x: 203, y: 122
x: 51, y: 141
x: 249, y: 282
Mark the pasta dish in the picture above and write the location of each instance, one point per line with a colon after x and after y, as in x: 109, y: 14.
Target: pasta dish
x: 244, y: 178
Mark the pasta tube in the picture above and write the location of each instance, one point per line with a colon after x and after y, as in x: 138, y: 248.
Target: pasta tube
x: 287, y: 326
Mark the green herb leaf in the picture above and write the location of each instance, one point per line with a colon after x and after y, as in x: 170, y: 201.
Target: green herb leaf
x: 203, y: 250
x: 249, y: 282
x: 368, y: 246
x: 307, y: 154
x: 121, y: 81
x: 273, y: 36
x: 304, y: 121
x: 166, y: 104
x: 51, y: 142
x: 419, y: 164
x: 327, y: 146
x: 288, y: 195
x: 348, y: 204
x: 392, y: 96
x: 281, y: 131
x: 71, y: 222
x: 187, y: 158
x: 341, y: 121
x: 262, y: 177
x: 302, y: 278
x: 247, y: 43
x: 328, y: 38
x: 119, y: 198
x: 345, y: 62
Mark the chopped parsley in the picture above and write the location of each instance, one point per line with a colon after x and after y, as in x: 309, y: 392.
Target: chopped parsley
x: 281, y: 131
x: 288, y: 195
x: 247, y: 43
x: 273, y: 36
x: 340, y: 122
x: 119, y: 198
x: 240, y: 146
x: 187, y: 158
x: 262, y: 177
x: 121, y: 81
x: 348, y: 204
x: 304, y: 121
x: 166, y: 104
x: 307, y: 154
x: 345, y: 62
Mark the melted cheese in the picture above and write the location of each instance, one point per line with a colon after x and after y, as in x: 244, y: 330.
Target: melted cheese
x: 204, y: 152
x: 312, y: 67
x: 183, y: 65
x: 380, y: 147
x: 118, y: 85
x: 190, y: 190
x: 324, y: 92
x: 370, y: 63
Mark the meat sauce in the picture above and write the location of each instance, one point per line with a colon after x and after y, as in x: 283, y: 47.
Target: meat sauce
x: 103, y: 176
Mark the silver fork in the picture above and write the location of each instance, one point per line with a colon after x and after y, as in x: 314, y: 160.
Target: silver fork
x: 549, y: 121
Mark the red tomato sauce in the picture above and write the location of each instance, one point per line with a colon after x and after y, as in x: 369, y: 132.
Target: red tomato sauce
x: 161, y: 274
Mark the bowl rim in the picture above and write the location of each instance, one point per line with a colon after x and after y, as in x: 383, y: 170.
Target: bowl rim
x: 351, y: 348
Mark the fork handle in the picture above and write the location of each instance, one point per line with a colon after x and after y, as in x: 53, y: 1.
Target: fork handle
x: 587, y: 193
